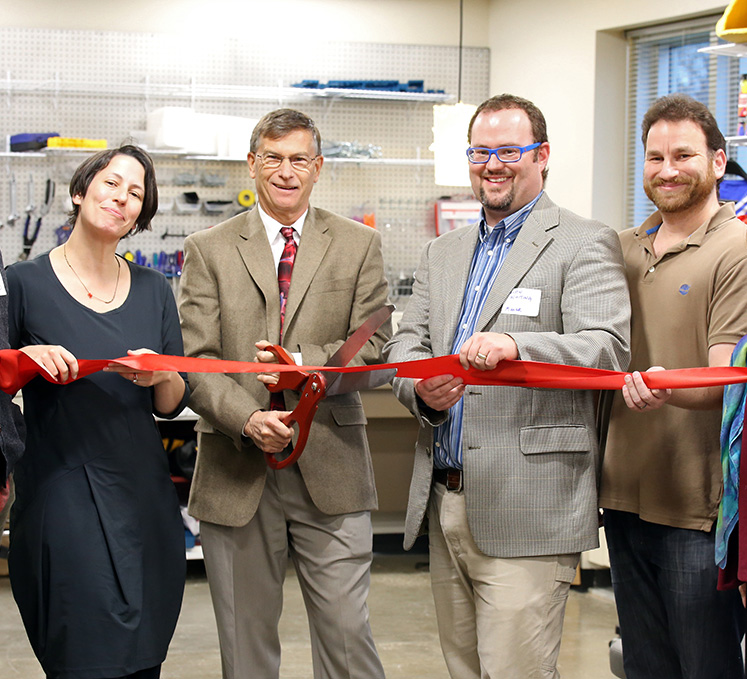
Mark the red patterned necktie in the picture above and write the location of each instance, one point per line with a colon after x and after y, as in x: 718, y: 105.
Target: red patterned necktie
x: 285, y: 269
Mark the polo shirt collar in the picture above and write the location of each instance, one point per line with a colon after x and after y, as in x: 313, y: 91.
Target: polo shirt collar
x: 647, y: 231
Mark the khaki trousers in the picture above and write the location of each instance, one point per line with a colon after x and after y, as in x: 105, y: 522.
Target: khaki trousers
x: 246, y: 567
x: 498, y: 618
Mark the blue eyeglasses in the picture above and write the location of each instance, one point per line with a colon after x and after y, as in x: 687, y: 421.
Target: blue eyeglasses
x: 506, y: 154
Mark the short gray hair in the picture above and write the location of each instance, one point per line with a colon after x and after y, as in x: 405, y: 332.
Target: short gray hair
x: 280, y: 122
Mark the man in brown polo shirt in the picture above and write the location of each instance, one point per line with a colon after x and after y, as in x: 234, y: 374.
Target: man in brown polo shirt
x: 661, y: 478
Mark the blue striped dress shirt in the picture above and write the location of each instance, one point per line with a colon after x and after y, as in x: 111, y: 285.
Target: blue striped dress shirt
x: 493, y: 246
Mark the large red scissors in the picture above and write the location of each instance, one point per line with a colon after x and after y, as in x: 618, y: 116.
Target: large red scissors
x: 315, y: 386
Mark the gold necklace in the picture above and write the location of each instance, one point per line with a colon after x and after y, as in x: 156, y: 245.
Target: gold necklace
x: 90, y: 294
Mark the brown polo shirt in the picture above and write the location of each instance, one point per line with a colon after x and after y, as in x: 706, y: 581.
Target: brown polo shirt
x: 664, y: 465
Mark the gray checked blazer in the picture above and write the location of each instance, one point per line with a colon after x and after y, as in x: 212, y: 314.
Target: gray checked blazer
x: 228, y: 300
x: 531, y: 458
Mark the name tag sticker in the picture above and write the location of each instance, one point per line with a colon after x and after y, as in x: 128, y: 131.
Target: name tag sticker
x: 2, y: 287
x: 523, y: 302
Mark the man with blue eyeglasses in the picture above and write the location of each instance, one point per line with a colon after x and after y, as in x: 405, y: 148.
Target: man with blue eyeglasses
x: 505, y: 479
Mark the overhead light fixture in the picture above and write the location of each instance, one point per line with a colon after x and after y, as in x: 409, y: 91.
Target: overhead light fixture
x: 450, y: 122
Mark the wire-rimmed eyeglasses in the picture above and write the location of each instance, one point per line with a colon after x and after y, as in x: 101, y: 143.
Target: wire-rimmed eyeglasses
x: 273, y: 162
x: 506, y: 154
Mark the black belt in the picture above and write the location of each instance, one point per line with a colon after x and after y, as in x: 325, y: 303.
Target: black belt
x: 451, y: 478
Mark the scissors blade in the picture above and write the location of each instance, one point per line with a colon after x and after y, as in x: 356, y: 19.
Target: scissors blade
x: 353, y: 344
x: 344, y: 383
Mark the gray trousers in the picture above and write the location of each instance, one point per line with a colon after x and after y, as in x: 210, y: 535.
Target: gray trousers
x: 246, y: 568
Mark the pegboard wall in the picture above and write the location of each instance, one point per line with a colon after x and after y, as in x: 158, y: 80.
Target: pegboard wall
x: 117, y: 69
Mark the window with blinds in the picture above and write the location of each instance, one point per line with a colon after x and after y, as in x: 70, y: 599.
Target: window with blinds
x: 664, y: 60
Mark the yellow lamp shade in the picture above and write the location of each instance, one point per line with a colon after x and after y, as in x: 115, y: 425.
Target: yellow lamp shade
x: 732, y: 25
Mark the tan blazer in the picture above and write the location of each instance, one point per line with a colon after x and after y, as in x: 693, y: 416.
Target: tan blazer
x: 531, y: 458
x: 228, y: 300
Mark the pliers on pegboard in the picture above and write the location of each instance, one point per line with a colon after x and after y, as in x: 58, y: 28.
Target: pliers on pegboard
x: 29, y: 238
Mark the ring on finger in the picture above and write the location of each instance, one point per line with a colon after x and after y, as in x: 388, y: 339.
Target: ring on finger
x: 645, y: 405
x: 481, y: 356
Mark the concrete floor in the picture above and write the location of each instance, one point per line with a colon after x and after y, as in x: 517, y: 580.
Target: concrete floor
x: 402, y: 618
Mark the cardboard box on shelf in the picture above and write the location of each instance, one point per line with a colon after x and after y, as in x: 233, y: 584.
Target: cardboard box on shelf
x: 186, y: 130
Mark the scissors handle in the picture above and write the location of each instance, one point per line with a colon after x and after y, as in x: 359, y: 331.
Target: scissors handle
x: 286, y: 380
x: 303, y: 415
x: 315, y: 384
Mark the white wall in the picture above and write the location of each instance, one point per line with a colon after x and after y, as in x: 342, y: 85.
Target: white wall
x: 568, y: 56
x: 291, y: 24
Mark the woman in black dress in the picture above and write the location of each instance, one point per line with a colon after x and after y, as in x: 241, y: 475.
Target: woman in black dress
x: 97, y: 544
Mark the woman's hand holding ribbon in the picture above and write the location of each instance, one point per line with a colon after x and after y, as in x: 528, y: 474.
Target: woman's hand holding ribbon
x: 169, y: 385
x: 140, y: 378
x: 57, y: 361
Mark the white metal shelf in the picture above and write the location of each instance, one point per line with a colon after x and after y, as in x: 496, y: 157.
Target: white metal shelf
x: 381, y: 161
x: 194, y: 91
x: 726, y: 49
x: 160, y: 153
x: 376, y: 95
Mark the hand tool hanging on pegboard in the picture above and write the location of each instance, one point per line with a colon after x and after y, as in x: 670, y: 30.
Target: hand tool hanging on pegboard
x: 29, y: 237
x: 13, y: 217
x: 30, y: 209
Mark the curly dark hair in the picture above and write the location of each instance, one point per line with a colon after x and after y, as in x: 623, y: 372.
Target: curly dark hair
x: 678, y: 107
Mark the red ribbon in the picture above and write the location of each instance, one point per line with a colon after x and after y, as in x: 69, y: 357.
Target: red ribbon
x: 16, y: 369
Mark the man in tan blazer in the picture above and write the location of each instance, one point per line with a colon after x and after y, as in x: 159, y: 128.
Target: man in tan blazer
x: 506, y: 477
x: 318, y: 511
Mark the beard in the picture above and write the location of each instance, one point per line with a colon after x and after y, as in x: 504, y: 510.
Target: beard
x: 497, y: 205
x: 699, y: 189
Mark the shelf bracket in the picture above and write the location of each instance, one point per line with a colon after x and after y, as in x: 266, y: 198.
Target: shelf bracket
x: 56, y: 98
x: 327, y: 109
x: 8, y: 90
x: 146, y: 95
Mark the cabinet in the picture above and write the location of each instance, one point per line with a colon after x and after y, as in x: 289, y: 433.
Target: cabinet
x: 392, y: 432
x: 176, y: 432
